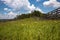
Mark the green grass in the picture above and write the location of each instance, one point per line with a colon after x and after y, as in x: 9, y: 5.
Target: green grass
x: 30, y: 29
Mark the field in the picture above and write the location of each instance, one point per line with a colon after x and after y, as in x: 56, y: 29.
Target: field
x: 30, y: 29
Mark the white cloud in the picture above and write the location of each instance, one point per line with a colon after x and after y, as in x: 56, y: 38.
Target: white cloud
x: 39, y: 10
x: 18, y: 4
x: 5, y: 9
x: 37, y: 0
x: 32, y: 7
x: 10, y: 15
x: 53, y: 3
x: 8, y: 10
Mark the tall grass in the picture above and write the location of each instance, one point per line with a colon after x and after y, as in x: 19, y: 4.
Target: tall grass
x: 30, y: 29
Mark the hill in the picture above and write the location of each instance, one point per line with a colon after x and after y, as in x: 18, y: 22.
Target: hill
x: 55, y: 14
x: 32, y: 26
x: 30, y: 29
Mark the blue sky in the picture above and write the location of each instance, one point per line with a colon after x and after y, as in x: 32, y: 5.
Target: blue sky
x: 41, y: 6
x: 13, y: 7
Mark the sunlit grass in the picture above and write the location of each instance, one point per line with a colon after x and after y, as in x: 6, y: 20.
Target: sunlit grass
x: 30, y: 29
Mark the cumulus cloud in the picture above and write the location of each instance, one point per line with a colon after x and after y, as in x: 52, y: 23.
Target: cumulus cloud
x: 7, y: 9
x: 53, y: 3
x: 38, y: 9
x: 10, y: 15
x: 18, y: 4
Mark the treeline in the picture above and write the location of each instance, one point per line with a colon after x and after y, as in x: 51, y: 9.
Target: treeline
x: 38, y: 14
x: 32, y: 14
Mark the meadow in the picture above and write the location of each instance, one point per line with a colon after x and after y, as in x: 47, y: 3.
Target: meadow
x: 30, y: 29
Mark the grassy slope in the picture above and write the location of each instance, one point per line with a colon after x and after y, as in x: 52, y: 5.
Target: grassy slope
x: 30, y: 29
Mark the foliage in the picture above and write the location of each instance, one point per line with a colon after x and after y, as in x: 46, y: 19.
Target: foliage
x: 39, y: 15
x: 32, y: 14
